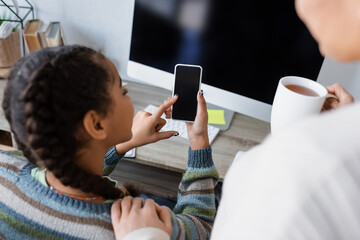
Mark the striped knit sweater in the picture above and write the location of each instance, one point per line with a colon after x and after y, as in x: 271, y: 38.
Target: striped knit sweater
x: 30, y: 210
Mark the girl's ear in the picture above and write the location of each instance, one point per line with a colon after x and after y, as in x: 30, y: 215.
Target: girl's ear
x: 94, y: 125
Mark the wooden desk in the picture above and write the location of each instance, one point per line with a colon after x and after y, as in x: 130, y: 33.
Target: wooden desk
x: 171, y: 154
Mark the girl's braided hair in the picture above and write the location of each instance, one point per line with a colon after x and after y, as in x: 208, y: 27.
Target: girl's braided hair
x: 47, y: 95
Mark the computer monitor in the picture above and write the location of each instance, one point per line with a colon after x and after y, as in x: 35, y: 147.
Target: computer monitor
x: 244, y: 47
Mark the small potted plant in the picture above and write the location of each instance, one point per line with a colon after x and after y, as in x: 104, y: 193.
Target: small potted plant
x: 10, y: 51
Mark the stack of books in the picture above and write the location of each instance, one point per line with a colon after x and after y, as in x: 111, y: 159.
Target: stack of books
x: 38, y: 35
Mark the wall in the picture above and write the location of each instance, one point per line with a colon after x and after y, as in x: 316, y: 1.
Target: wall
x: 102, y: 25
x: 107, y: 25
x: 348, y: 74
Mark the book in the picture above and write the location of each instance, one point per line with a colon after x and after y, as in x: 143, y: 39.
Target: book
x: 64, y: 42
x: 30, y: 35
x: 54, y: 35
x: 42, y: 33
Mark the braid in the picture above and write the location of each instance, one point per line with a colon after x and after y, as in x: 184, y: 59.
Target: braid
x: 42, y: 137
x: 52, y: 119
x: 7, y: 107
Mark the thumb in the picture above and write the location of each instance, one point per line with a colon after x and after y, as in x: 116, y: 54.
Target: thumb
x: 201, y: 104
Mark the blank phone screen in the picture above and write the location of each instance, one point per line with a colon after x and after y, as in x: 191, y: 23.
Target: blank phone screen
x: 187, y: 84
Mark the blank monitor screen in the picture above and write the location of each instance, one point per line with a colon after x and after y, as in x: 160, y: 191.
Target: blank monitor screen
x: 244, y: 47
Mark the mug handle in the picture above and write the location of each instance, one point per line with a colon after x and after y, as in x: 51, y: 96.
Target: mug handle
x: 329, y: 95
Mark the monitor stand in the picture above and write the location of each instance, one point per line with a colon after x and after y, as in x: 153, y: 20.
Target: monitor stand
x: 228, y: 114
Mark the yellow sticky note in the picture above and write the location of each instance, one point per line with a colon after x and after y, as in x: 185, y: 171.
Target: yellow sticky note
x: 216, y: 116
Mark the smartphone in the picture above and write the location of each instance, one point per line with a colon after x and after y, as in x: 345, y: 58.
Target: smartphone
x: 186, y: 86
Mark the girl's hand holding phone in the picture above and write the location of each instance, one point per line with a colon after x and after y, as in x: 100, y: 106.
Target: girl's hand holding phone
x: 146, y: 127
x: 198, y: 130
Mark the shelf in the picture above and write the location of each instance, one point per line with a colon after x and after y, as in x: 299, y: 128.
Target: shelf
x: 24, y: 12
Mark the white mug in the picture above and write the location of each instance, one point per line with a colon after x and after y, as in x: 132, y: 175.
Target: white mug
x: 290, y: 106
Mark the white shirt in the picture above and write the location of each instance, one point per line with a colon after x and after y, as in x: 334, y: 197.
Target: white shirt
x: 303, y: 183
x: 149, y: 233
